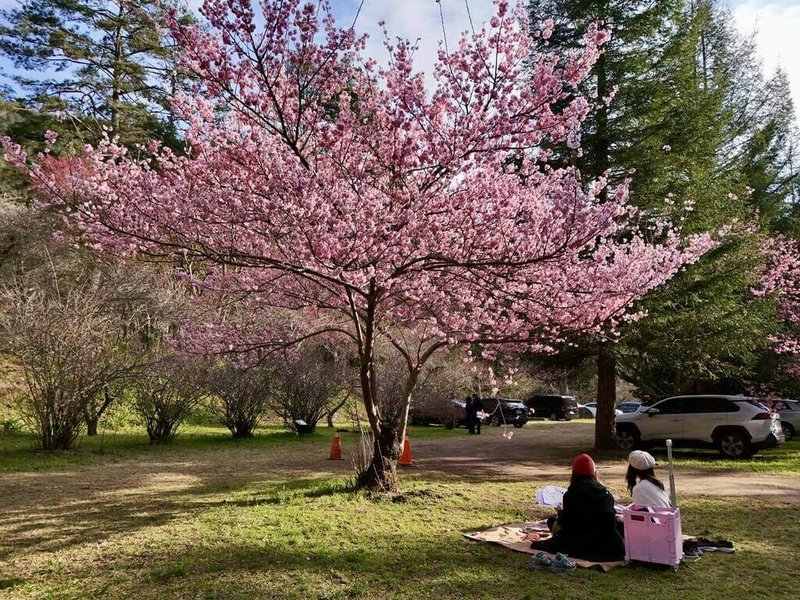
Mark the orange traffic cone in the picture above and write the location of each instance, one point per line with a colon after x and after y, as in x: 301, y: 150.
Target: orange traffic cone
x: 336, y: 448
x: 405, y: 458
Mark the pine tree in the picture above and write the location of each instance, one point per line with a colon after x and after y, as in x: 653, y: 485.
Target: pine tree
x: 692, y: 125
x: 102, y: 62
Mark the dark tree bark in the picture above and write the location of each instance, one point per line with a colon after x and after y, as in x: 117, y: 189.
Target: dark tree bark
x: 94, y: 412
x: 381, y: 474
x: 606, y: 399
x: 332, y: 411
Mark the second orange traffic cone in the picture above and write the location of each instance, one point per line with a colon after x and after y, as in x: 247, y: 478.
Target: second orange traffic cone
x: 336, y: 448
x: 405, y: 458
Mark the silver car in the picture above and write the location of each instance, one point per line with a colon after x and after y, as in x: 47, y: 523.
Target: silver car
x: 789, y: 413
x: 736, y: 425
x: 589, y: 410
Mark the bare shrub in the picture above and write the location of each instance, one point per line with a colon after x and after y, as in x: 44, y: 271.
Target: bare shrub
x: 165, y: 394
x: 240, y: 395
x: 307, y: 382
x: 76, y: 325
x: 69, y: 350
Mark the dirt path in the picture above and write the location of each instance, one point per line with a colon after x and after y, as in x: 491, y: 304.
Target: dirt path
x: 539, y: 452
x: 544, y: 451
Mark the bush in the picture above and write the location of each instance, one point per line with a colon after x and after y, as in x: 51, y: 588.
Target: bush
x: 307, y: 385
x: 165, y: 395
x: 241, y: 395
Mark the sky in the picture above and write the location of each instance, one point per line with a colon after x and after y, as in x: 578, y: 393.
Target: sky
x: 776, y: 24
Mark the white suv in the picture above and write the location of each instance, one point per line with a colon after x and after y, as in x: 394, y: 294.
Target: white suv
x: 736, y: 425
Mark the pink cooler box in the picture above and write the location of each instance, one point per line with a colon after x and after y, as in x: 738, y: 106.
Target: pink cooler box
x: 653, y: 534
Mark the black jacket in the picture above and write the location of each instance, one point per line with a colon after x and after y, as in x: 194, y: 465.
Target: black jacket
x: 587, y: 525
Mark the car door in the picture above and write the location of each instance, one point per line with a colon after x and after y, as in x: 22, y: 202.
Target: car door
x: 708, y: 414
x: 665, y: 420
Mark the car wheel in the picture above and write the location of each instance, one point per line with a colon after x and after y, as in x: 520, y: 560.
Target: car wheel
x: 788, y: 430
x: 518, y: 425
x: 497, y: 421
x: 733, y: 444
x: 627, y: 438
x: 553, y: 417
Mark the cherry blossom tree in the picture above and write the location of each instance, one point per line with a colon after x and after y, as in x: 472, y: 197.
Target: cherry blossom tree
x: 356, y: 202
x: 782, y: 280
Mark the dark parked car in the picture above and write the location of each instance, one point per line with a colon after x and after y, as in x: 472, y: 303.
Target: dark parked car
x: 441, y: 411
x: 554, y: 407
x: 437, y: 411
x: 507, y: 411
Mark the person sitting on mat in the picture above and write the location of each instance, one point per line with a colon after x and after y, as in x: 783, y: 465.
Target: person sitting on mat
x: 586, y: 525
x: 642, y: 483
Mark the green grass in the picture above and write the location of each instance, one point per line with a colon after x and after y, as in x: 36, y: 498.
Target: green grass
x: 213, y: 517
x: 18, y: 451
x: 312, y: 538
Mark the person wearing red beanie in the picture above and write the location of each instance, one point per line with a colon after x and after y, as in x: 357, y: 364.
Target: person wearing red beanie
x: 586, y: 526
x: 583, y: 465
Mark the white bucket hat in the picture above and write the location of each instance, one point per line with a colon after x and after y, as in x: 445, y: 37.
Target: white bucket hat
x: 641, y: 460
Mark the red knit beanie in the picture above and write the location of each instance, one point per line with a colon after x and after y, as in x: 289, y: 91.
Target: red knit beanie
x: 583, y: 465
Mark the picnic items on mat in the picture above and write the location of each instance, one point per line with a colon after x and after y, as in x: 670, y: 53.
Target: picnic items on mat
x: 512, y: 536
x: 551, y: 496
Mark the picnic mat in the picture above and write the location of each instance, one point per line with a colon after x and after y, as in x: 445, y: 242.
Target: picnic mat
x: 518, y: 536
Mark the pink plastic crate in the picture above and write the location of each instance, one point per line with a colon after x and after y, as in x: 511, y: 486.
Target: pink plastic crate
x: 654, y: 536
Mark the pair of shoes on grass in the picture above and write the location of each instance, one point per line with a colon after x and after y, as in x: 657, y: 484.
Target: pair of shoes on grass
x: 559, y: 564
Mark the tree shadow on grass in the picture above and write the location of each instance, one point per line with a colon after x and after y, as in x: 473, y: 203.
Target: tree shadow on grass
x: 344, y: 547
x: 49, y: 528
x: 375, y: 560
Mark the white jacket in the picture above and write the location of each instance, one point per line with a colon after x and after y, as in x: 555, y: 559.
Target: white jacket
x: 649, y: 494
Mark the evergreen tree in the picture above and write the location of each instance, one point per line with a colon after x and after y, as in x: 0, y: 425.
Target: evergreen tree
x: 102, y: 62
x: 695, y: 127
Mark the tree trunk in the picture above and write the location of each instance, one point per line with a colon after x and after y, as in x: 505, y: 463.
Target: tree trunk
x: 381, y: 474
x: 242, y: 430
x: 91, y: 426
x: 332, y: 412
x: 116, y: 78
x: 606, y: 399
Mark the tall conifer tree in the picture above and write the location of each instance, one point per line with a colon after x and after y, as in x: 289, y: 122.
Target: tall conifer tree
x: 101, y: 62
x: 703, y: 139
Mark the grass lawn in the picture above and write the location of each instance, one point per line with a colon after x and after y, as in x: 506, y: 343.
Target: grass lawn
x: 198, y: 520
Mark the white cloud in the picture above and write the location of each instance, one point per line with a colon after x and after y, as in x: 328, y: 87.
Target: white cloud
x: 777, y: 27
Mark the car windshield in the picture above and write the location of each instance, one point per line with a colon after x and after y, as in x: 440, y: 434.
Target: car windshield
x: 514, y: 404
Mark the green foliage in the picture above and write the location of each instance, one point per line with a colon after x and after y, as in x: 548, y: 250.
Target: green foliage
x: 706, y: 141
x: 100, y: 63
